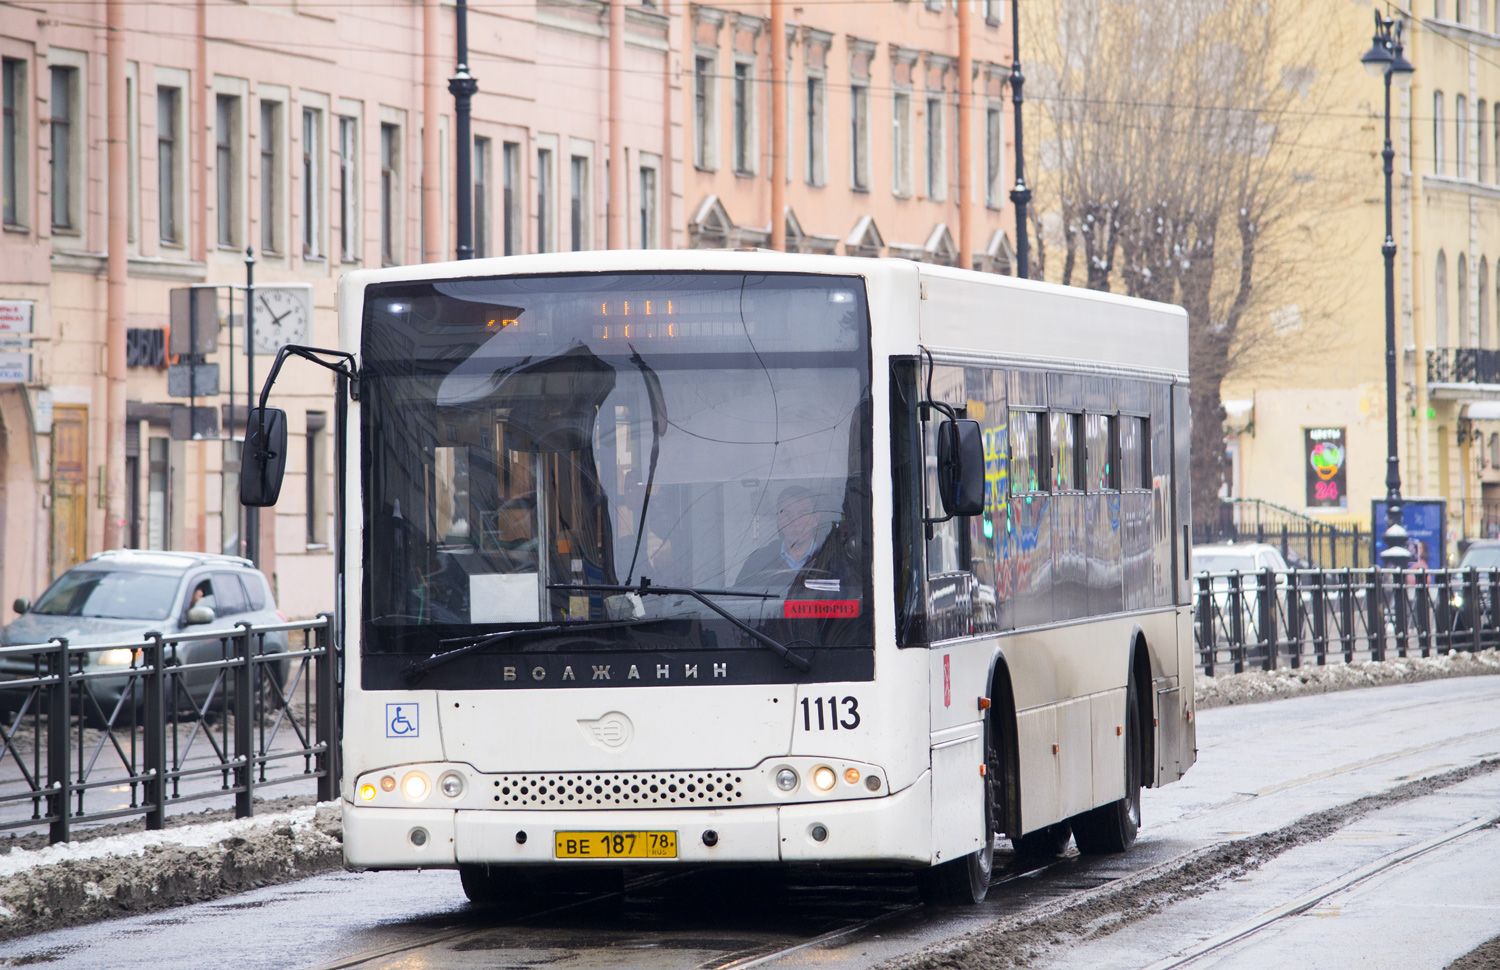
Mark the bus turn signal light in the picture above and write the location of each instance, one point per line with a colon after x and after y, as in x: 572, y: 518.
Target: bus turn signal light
x: 367, y: 792
x: 984, y: 703
x: 851, y: 776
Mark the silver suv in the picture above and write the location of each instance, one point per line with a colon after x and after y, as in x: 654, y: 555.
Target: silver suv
x: 120, y: 596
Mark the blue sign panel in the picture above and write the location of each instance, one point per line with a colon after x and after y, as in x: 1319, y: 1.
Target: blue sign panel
x: 1425, y: 521
x: 401, y: 721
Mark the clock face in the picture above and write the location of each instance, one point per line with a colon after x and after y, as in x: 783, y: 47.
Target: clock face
x: 283, y: 315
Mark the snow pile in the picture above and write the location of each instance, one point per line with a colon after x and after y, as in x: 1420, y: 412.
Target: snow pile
x: 1268, y: 685
x: 82, y: 882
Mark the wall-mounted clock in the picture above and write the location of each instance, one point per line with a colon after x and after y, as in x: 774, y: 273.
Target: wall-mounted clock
x: 283, y: 315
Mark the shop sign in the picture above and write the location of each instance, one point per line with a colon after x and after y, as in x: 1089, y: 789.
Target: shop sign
x: 1325, y: 462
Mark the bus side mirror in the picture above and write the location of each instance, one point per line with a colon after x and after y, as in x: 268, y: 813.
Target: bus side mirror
x: 263, y: 459
x: 960, y: 467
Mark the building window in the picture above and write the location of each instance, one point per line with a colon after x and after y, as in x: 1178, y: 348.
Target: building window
x: 859, y: 136
x: 1495, y: 122
x: 348, y: 189
x: 510, y: 178
x: 991, y: 10
x: 1484, y: 303
x: 270, y: 170
x: 935, y: 180
x: 1463, y: 300
x: 1437, y: 132
x: 703, y: 112
x: 316, y: 502
x: 13, y: 164
x: 1461, y: 136
x: 158, y: 492
x: 226, y: 169
x: 543, y: 200
x: 168, y: 183
x: 1440, y: 298
x: 901, y: 143
x: 64, y: 146
x: 132, y: 156
x: 481, y: 197
x: 993, y: 157
x: 390, y: 173
x: 578, y: 203
x: 816, y: 93
x: 648, y: 208
x: 312, y: 183
x: 744, y: 120
x: 1481, y: 121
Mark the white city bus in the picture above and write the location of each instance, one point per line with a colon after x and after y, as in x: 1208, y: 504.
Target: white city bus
x: 683, y: 558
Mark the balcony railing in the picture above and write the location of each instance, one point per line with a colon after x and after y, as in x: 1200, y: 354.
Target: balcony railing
x: 1463, y: 365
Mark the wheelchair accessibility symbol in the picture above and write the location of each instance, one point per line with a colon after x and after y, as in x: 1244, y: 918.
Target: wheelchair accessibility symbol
x: 401, y: 721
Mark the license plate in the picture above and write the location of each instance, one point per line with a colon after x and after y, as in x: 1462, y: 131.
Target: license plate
x: 615, y: 845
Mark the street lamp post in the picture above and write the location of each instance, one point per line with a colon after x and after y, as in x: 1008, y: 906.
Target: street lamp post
x: 463, y: 86
x: 1021, y: 194
x: 1384, y: 60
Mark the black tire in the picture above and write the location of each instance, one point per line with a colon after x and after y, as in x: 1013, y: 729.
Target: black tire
x: 1044, y: 843
x: 1113, y: 827
x: 960, y: 882
x: 487, y: 885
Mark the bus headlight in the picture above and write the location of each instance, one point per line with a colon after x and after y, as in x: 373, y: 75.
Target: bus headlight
x: 823, y: 778
x: 451, y: 785
x: 786, y: 779
x: 414, y: 786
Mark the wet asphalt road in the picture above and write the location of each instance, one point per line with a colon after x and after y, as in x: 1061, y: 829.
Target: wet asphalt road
x: 1260, y: 767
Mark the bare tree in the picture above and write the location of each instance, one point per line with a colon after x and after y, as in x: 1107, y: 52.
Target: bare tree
x: 1172, y: 133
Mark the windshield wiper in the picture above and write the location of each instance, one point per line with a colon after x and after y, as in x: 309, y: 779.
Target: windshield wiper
x: 701, y: 595
x: 418, y: 669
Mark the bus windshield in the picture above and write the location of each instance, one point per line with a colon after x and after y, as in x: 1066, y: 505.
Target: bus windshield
x: 527, y: 437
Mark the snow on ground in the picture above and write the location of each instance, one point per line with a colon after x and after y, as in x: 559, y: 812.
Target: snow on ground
x: 117, y: 874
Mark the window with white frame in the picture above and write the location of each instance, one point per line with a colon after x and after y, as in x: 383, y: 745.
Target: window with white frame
x: 510, y: 203
x: 271, y: 192
x: 1463, y: 300
x: 481, y: 198
x: 648, y: 203
x: 390, y: 193
x: 546, y: 199
x: 132, y: 155
x: 227, y: 178
x: 348, y: 162
x: 817, y: 89
x: 1481, y: 122
x: 704, y: 113
x: 901, y: 143
x: 14, y: 184
x: 991, y: 10
x: 1461, y: 136
x: 1438, y: 132
x: 993, y: 157
x: 1440, y: 298
x: 312, y: 183
x: 578, y: 203
x: 65, y: 124
x: 936, y: 158
x: 744, y: 118
x: 859, y: 136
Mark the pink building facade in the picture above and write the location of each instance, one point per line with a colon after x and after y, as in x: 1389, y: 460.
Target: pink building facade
x: 301, y: 132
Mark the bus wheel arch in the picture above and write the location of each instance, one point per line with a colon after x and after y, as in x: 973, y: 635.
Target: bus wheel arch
x: 1002, y: 751
x: 1140, y: 669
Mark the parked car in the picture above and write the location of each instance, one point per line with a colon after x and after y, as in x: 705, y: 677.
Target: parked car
x: 1250, y: 559
x: 122, y: 595
x: 1482, y: 555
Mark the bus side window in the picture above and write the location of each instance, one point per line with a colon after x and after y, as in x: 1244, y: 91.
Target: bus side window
x: 906, y: 485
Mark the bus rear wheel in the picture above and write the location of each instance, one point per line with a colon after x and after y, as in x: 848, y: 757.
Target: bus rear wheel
x: 1113, y: 827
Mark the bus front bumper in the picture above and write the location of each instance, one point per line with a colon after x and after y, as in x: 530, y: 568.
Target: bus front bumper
x: 896, y: 829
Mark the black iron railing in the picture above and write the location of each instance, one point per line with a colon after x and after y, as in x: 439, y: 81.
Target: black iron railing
x: 1463, y: 365
x: 128, y: 730
x: 1304, y: 541
x: 1264, y: 620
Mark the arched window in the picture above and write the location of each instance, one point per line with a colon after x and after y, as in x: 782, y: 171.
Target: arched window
x: 1440, y: 302
x: 1458, y: 11
x: 1437, y: 132
x: 1463, y: 300
x: 1484, y: 303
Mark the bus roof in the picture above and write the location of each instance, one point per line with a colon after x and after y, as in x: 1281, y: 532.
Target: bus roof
x: 958, y: 312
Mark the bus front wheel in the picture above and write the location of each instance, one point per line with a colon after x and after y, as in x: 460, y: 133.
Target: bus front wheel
x: 960, y: 882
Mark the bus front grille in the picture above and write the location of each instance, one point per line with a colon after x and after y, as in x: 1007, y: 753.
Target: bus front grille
x: 617, y: 788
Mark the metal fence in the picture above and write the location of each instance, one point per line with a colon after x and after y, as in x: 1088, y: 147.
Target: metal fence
x: 1304, y: 541
x: 1268, y: 619
x: 143, y: 732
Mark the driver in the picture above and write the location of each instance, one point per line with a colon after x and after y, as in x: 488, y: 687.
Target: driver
x: 776, y: 564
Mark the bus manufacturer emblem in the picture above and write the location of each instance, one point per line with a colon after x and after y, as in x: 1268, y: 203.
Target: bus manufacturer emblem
x: 613, y: 730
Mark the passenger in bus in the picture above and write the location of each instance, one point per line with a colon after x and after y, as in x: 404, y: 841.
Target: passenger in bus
x: 776, y: 564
